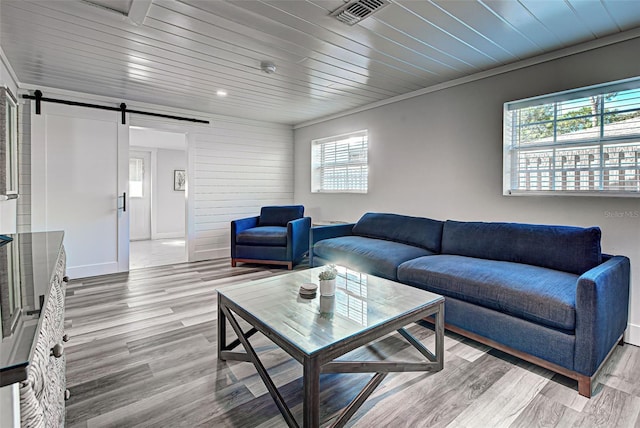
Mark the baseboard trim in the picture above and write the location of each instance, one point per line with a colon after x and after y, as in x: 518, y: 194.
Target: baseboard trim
x: 86, y: 271
x: 168, y: 235
x: 632, y: 335
x: 211, y: 254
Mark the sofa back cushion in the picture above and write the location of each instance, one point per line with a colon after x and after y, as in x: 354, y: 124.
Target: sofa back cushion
x: 418, y: 231
x: 565, y: 248
x: 280, y: 215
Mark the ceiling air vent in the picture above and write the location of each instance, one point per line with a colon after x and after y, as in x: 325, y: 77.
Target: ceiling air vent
x: 355, y: 11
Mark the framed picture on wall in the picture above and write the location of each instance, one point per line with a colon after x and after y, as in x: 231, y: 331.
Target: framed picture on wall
x: 179, y: 179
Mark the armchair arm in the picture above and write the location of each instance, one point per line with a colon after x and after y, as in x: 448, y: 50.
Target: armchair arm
x: 602, y: 307
x: 318, y: 233
x: 298, y: 238
x: 238, y: 226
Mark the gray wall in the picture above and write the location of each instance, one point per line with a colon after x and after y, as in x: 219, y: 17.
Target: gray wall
x: 440, y: 155
x: 169, y: 204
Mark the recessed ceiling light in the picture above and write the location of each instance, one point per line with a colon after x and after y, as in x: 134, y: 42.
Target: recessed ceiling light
x: 221, y: 93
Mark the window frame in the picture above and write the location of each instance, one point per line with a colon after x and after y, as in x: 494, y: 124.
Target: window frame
x: 11, y: 160
x: 132, y: 193
x: 317, y: 166
x: 513, y: 146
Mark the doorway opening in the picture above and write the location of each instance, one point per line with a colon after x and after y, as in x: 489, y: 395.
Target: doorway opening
x: 157, y: 198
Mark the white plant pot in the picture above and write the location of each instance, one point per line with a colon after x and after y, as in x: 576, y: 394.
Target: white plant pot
x: 327, y: 287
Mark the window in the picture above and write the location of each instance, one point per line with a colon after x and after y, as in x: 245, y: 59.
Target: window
x: 584, y: 141
x: 136, y: 177
x: 339, y: 164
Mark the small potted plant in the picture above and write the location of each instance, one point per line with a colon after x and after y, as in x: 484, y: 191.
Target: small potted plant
x: 328, y: 281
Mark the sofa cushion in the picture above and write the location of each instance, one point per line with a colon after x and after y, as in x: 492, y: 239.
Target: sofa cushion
x: 566, y: 248
x: 279, y: 215
x: 264, y: 236
x: 374, y: 256
x: 537, y: 294
x: 417, y: 231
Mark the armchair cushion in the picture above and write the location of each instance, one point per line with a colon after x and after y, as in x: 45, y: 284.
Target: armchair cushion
x: 280, y: 215
x: 263, y: 236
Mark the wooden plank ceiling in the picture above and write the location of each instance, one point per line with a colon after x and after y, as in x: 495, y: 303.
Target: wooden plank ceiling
x: 181, y: 52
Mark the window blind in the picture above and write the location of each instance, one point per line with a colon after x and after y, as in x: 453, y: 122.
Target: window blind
x: 585, y: 141
x: 340, y: 163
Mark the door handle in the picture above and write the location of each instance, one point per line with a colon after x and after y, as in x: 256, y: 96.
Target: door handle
x: 124, y: 202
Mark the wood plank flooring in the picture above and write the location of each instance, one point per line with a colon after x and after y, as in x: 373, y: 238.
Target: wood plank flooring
x: 156, y: 252
x: 143, y: 354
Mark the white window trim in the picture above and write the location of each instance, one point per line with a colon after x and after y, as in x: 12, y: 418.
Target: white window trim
x: 316, y: 166
x: 511, y: 186
x: 11, y: 143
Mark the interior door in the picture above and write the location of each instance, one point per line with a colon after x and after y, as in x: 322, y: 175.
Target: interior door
x: 140, y: 195
x: 79, y: 181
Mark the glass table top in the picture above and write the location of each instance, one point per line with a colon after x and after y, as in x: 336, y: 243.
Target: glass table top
x: 361, y: 303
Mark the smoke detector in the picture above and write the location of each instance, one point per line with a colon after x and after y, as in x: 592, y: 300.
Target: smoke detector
x: 268, y: 67
x: 355, y: 11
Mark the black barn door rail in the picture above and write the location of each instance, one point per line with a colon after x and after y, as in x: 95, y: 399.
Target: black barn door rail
x: 37, y: 95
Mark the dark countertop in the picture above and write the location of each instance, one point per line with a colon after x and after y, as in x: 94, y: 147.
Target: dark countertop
x: 27, y: 265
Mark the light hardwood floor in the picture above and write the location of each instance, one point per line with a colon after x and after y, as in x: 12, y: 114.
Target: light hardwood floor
x: 156, y: 252
x: 143, y: 354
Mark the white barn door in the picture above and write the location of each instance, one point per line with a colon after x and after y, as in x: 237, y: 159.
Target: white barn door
x: 80, y: 165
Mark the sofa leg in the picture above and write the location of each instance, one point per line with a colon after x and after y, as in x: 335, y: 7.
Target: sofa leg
x: 233, y: 262
x: 621, y: 342
x: 584, y: 386
x: 290, y: 265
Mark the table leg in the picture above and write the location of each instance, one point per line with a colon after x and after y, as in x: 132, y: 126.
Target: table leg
x: 262, y: 371
x: 311, y: 405
x: 222, y: 330
x: 439, y: 327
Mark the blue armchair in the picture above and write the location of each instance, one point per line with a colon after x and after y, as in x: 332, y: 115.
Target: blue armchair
x: 278, y: 236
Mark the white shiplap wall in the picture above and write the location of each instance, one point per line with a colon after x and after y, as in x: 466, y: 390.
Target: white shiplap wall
x: 23, y: 222
x: 236, y: 167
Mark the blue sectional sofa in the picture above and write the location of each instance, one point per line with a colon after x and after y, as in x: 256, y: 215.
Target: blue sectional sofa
x: 545, y: 294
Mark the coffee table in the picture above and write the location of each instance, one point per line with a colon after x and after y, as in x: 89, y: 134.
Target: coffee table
x: 317, y: 331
